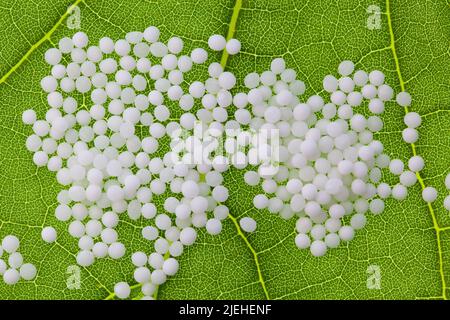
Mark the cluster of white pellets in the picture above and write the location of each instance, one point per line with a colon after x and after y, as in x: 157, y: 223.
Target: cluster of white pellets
x: 330, y: 165
x: 13, y: 269
x: 108, y: 168
x: 105, y: 148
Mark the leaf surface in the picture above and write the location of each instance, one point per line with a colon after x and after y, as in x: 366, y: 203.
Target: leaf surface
x: 409, y: 242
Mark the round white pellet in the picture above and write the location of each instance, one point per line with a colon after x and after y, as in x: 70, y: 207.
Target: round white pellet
x: 188, y: 236
x: 48, y: 234
x: 346, y: 67
x: 29, y: 116
x: 15, y: 260
x: 139, y: 258
x: 447, y: 202
x: 80, y: 39
x: 447, y: 181
x: 11, y: 276
x: 429, y: 194
x: 28, y: 271
x: 213, y: 226
x: 199, y: 55
x: 85, y: 258
x: 247, y: 224
x: 399, y: 192
x: 318, y: 248
x: 122, y: 290
x: 302, y: 241
x: 170, y: 266
x: 376, y: 77
x: 217, y: 42
x: 100, y: 250
x: 416, y: 164
x: 158, y: 277
x: 233, y: 46
x: 396, y: 167
x: 53, y: 56
x: 10, y: 243
x: 346, y: 233
x: 151, y: 34
x: 403, y: 99
x: 277, y: 66
x: 412, y: 120
x: 116, y: 250
x: 142, y: 275
x: 410, y: 135
x: 332, y: 240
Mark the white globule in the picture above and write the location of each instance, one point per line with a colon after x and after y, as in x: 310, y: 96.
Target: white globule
x: 122, y: 290
x: 217, y: 42
x: 48, y: 234
x: 247, y: 224
x: 329, y: 164
x: 429, y: 194
x: 233, y: 46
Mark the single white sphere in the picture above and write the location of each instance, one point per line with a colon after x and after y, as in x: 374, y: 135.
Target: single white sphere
x: 122, y: 290
x: 396, y: 167
x: 29, y: 116
x: 410, y: 135
x: 53, y: 56
x: 28, y: 271
x: 15, y: 260
x: 85, y: 258
x: 403, y: 99
x: 170, y: 266
x: 190, y: 189
x: 10, y: 243
x: 142, y: 275
x: 376, y: 77
x: 11, y: 276
x: 233, y: 46
x: 139, y: 258
x: 330, y: 83
x: 429, y: 194
x: 318, y: 248
x: 346, y: 233
x: 399, y: 192
x: 416, y: 164
x: 247, y: 224
x: 151, y: 34
x: 447, y: 181
x: 302, y: 241
x: 199, y: 55
x: 80, y: 39
x: 188, y: 236
x: 376, y: 206
x: 332, y: 240
x: 217, y: 42
x: 149, y: 233
x: 346, y: 67
x: 158, y: 277
x: 412, y: 120
x: 213, y: 226
x: 48, y: 234
x: 447, y: 202
x: 116, y: 250
x: 278, y: 65
x: 100, y: 250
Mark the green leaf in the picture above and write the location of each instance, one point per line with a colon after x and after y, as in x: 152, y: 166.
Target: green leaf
x: 409, y: 243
